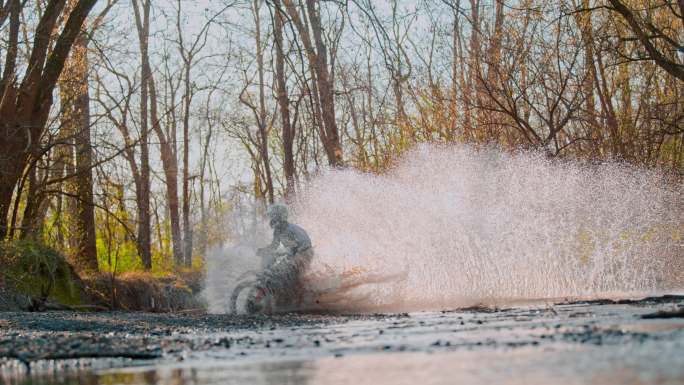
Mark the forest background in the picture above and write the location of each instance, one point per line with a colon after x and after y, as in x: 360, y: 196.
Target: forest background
x: 130, y: 130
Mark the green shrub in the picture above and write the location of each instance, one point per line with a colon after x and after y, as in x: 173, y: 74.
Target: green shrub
x: 39, y: 271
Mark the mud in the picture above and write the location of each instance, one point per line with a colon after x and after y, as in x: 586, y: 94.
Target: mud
x: 582, y: 342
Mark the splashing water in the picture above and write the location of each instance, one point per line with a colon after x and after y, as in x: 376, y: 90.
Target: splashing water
x: 457, y: 226
x: 461, y: 226
x: 227, y: 264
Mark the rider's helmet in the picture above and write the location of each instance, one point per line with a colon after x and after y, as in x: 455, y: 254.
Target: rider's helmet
x: 277, y: 213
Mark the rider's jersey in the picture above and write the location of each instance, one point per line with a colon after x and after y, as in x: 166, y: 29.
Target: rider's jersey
x: 292, y: 237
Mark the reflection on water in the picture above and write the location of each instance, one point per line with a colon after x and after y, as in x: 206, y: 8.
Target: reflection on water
x: 286, y: 373
x: 655, y: 362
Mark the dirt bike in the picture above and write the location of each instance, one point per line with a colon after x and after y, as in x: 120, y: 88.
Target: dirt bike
x: 248, y: 287
x: 252, y: 286
x: 321, y: 290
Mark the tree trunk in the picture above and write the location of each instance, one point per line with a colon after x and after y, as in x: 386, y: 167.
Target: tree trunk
x: 24, y: 106
x: 475, y: 68
x: 455, y: 60
x: 86, y: 245
x: 144, y: 241
x: 317, y: 57
x: 491, y: 119
x: 30, y: 221
x: 187, y: 230
x: 284, y: 105
x: 585, y: 24
x: 75, y: 128
x: 170, y: 166
x: 204, y: 238
x: 262, y: 116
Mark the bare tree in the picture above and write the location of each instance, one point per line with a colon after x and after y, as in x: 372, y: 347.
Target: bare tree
x: 306, y: 18
x: 188, y: 52
x: 142, y: 21
x: 283, y: 101
x: 259, y: 107
x: 661, y: 42
x: 25, y: 104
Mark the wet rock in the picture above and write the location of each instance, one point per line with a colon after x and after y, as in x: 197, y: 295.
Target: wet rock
x: 224, y: 342
x: 678, y: 313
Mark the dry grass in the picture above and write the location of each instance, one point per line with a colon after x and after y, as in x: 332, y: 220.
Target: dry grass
x: 146, y: 292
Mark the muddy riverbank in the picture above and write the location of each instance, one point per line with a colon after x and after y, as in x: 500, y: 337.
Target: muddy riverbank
x: 614, y: 342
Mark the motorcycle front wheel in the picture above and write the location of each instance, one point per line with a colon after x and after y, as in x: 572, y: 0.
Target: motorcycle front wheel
x: 248, y: 292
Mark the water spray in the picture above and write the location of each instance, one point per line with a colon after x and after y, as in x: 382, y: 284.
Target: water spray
x: 453, y: 226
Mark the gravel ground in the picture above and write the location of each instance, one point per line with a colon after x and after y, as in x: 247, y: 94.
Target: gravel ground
x: 34, y: 344
x: 30, y: 337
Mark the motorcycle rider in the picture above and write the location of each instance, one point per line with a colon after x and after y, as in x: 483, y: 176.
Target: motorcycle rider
x: 286, y: 258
